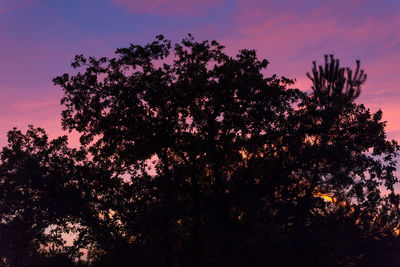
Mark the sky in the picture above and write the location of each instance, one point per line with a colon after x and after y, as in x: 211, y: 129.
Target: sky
x: 39, y: 39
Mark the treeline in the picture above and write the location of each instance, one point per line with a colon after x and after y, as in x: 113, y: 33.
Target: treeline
x: 191, y: 157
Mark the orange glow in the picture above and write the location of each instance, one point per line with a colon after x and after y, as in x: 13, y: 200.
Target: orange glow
x: 327, y: 197
x: 396, y: 231
x: 244, y: 154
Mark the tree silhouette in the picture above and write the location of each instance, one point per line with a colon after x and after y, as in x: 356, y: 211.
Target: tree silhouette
x: 192, y: 157
x: 38, y: 200
x: 224, y: 166
x: 52, y: 202
x: 194, y: 117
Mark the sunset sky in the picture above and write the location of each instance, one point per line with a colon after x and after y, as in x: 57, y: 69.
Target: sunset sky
x: 39, y: 38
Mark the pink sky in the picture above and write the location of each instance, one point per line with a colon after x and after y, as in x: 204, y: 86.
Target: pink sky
x: 41, y: 37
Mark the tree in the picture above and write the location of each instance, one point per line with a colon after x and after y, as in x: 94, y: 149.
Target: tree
x: 341, y: 149
x: 52, y: 199
x: 224, y: 166
x: 38, y: 199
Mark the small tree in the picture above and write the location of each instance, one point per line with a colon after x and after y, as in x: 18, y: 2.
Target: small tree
x: 51, y: 201
x: 38, y: 198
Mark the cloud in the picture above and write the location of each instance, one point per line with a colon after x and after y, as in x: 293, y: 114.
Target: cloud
x: 290, y: 34
x: 168, y: 7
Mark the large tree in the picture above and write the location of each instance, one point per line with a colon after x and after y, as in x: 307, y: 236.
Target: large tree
x: 221, y: 165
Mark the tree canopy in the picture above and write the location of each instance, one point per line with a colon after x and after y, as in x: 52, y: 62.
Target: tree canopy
x: 193, y: 157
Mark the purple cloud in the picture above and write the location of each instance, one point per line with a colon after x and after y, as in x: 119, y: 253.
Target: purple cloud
x: 290, y: 34
x: 168, y: 7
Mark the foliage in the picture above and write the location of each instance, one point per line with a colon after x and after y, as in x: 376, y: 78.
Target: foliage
x: 191, y: 157
x: 38, y: 198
